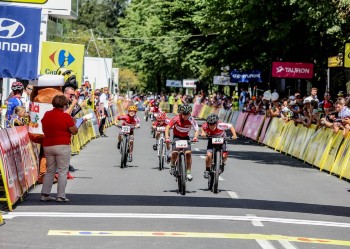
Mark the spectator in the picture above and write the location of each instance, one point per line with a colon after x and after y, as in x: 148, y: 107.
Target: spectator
x: 103, y: 109
x: 58, y: 127
x: 21, y: 117
x: 25, y: 98
x: 327, y: 103
x: 314, y: 94
x: 242, y: 98
x: 14, y: 101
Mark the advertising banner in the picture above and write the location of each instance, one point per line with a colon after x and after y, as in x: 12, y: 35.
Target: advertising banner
x: 189, y: 83
x: 19, y: 42
x: 292, y: 70
x: 248, y: 76
x: 9, y: 166
x: 56, y: 55
x: 173, y: 83
x: 347, y: 55
x: 223, y: 80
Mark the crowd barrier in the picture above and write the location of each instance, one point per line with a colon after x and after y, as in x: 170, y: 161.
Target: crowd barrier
x: 321, y: 148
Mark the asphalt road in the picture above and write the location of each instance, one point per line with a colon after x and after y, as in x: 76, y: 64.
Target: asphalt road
x: 266, y: 200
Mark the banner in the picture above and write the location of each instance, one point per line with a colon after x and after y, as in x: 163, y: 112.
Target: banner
x: 173, y: 83
x: 347, y: 55
x: 223, y: 80
x: 56, y: 55
x: 292, y: 70
x: 19, y: 42
x: 250, y: 76
x: 189, y: 83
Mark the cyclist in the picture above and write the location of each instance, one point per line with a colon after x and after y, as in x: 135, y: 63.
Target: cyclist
x: 162, y: 121
x: 17, y: 89
x: 128, y: 120
x: 214, y: 128
x: 182, y: 125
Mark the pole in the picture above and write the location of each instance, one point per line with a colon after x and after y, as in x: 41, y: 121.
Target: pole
x: 328, y: 79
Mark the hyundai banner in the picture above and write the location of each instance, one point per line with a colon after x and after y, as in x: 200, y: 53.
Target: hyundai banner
x: 173, y: 83
x: 249, y: 76
x: 292, y: 70
x: 19, y: 42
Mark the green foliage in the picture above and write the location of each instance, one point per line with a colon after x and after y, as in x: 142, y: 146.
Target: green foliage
x: 178, y: 39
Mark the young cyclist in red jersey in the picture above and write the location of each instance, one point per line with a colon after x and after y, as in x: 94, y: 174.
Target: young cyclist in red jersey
x: 162, y: 121
x: 214, y: 128
x: 128, y: 120
x: 182, y: 125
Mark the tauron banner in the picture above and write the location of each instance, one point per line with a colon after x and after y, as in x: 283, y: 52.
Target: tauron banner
x: 297, y: 70
x: 19, y: 41
x: 248, y: 76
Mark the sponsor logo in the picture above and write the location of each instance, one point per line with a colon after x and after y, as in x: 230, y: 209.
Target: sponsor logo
x: 62, y: 58
x: 10, y: 29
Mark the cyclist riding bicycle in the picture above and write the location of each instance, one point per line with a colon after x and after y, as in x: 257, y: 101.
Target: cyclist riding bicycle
x: 128, y: 120
x: 182, y: 125
x: 162, y: 121
x: 214, y: 128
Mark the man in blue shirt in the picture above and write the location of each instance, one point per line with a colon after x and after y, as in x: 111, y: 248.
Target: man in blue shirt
x: 17, y: 89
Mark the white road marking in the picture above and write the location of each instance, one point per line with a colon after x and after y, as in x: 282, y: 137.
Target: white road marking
x: 286, y: 244
x: 233, y: 195
x: 197, y: 149
x: 12, y: 215
x: 203, y: 157
x: 221, y: 178
x: 265, y: 244
x: 256, y: 223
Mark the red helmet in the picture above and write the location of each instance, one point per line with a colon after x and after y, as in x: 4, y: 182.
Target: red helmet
x: 17, y: 86
x: 161, y: 116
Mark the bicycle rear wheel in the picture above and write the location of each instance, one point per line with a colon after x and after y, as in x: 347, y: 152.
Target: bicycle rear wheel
x: 216, y: 172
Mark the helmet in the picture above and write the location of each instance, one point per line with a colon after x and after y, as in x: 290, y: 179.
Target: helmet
x: 185, y: 109
x: 156, y: 103
x: 17, y: 86
x: 161, y: 116
x: 212, y: 118
x: 132, y: 108
x: 70, y: 79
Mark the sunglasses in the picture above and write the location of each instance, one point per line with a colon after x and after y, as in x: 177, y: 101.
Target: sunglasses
x: 28, y: 88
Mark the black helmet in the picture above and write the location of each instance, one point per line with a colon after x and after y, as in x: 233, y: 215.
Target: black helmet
x: 185, y: 109
x: 212, y: 118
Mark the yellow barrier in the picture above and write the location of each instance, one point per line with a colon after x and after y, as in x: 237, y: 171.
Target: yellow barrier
x: 330, y: 152
x: 342, y: 159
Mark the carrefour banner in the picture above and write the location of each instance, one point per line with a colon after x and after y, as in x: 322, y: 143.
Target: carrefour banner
x: 19, y: 41
x: 56, y: 55
x: 248, y: 76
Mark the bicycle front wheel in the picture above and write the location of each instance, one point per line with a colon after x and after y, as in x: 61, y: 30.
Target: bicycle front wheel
x: 161, y: 154
x: 216, y: 172
x: 182, y: 175
x: 123, y: 152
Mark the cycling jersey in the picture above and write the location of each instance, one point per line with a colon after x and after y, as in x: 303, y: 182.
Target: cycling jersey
x: 157, y: 123
x: 11, y: 105
x: 219, y: 131
x: 182, y: 127
x: 128, y: 120
x: 155, y: 109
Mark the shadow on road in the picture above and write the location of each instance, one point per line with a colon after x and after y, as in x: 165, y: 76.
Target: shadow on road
x: 33, y: 199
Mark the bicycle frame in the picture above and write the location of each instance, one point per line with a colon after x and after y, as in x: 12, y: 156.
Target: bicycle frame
x: 216, y: 166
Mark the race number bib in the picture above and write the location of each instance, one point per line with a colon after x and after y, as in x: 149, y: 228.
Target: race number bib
x: 181, y: 144
x: 126, y: 129
x: 160, y: 128
x: 217, y: 140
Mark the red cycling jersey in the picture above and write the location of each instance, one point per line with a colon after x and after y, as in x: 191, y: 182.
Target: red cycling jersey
x: 219, y: 131
x: 165, y: 123
x: 129, y: 121
x: 182, y: 127
x: 155, y: 109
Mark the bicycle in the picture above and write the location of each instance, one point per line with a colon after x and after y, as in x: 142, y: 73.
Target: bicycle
x: 181, y: 165
x: 124, y: 145
x: 161, y: 147
x: 216, y: 168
